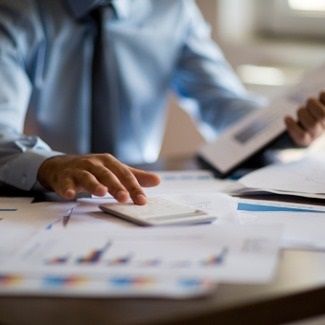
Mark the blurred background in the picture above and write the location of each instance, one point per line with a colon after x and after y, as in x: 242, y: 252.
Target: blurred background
x: 269, y: 43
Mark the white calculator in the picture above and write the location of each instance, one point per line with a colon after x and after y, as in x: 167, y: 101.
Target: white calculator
x: 157, y: 212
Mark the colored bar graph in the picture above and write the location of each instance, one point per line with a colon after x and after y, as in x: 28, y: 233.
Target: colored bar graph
x: 195, y: 282
x: 94, y: 256
x: 57, y: 260
x: 216, y: 259
x: 122, y: 260
x: 10, y: 279
x: 131, y: 281
x: 64, y: 281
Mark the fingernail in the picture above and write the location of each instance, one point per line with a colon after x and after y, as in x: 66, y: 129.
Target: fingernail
x: 122, y: 196
x: 141, y: 199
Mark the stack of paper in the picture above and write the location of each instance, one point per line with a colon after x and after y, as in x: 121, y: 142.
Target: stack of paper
x: 288, y: 194
x: 303, y: 178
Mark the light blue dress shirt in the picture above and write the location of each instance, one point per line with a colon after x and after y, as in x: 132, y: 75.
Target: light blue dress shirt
x: 156, y: 46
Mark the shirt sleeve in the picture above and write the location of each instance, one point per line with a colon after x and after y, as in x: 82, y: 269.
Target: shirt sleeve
x: 20, y: 160
x: 212, y: 91
x: 20, y: 155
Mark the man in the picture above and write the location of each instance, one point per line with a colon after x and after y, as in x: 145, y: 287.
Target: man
x: 83, y: 79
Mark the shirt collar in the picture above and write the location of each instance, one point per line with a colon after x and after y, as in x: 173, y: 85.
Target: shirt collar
x: 80, y: 8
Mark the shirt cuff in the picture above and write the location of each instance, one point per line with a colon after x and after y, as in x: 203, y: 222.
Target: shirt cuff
x: 21, y: 171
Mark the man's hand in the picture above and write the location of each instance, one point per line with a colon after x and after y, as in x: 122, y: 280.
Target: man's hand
x: 311, y: 121
x: 96, y: 174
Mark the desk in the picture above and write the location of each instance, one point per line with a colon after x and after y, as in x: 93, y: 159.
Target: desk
x: 298, y: 291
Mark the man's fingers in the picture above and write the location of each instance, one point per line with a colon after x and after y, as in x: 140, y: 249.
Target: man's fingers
x: 317, y: 110
x: 66, y: 188
x: 96, y: 174
x: 146, y: 179
x: 127, y: 179
x: 113, y: 184
x: 118, y: 178
x: 309, y: 122
x: 76, y: 181
x: 297, y: 133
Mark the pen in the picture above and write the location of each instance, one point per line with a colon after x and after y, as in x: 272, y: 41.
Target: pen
x: 66, y: 217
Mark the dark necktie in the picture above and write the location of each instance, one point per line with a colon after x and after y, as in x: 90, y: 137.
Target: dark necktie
x: 81, y: 8
x: 104, y: 119
x: 103, y: 104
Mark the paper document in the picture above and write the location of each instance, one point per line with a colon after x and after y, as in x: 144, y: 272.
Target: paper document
x: 261, y: 127
x: 303, y: 224
x: 53, y: 262
x: 304, y: 177
x: 20, y: 220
